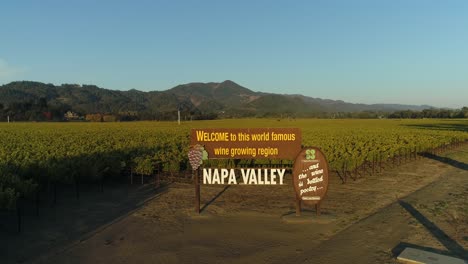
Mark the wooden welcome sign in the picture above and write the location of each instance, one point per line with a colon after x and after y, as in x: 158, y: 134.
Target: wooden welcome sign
x: 310, y: 174
x: 310, y: 178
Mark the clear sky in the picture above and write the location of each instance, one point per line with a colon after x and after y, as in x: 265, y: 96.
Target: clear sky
x: 398, y: 51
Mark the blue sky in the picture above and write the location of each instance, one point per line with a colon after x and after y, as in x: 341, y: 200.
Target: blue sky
x: 409, y: 52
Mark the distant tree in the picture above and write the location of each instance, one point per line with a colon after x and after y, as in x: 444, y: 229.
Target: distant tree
x: 444, y: 114
x: 42, y: 104
x: 464, y: 112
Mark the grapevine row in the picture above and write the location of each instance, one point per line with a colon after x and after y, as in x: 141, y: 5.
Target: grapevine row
x: 34, y: 155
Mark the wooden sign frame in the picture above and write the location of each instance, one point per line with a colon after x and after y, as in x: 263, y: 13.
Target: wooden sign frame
x: 310, y: 178
x: 242, y: 143
x: 310, y: 172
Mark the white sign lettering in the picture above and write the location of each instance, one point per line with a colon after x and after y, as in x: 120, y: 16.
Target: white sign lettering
x: 248, y: 176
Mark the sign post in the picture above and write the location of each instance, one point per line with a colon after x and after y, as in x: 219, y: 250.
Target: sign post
x: 197, y: 191
x: 196, y: 155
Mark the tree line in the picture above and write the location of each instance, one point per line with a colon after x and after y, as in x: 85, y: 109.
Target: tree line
x: 431, y: 113
x: 42, y: 110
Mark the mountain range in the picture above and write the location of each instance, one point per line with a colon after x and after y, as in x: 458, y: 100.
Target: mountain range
x: 224, y: 99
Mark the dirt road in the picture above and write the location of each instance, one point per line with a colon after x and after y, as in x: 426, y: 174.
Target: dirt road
x: 420, y: 204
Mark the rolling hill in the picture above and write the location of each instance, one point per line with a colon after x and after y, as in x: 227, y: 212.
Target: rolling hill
x: 225, y: 99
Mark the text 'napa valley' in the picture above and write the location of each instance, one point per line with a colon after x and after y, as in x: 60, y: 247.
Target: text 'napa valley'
x: 245, y: 176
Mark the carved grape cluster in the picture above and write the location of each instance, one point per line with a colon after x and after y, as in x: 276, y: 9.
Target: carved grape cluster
x: 196, y: 156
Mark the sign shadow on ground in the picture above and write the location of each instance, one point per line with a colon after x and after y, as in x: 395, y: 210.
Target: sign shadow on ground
x: 454, y: 249
x: 214, y: 198
x: 449, y: 161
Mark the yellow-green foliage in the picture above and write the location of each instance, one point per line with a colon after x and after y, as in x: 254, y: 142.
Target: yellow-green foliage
x: 31, y: 153
x: 35, y: 149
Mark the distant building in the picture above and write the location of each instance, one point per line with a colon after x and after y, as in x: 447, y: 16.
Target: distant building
x: 71, y: 116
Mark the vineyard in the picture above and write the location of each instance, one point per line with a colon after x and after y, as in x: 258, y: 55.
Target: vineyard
x: 37, y: 157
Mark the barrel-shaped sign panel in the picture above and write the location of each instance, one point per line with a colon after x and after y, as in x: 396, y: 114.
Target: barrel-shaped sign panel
x: 310, y: 175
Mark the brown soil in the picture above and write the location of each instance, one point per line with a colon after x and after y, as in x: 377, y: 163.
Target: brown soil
x: 420, y: 204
